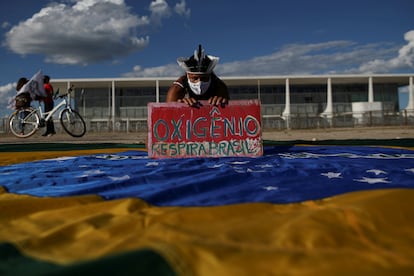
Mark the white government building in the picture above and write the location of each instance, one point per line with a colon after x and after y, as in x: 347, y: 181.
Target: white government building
x: 306, y: 101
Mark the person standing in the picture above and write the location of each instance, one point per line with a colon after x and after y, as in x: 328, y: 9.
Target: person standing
x: 49, y: 104
x: 23, y: 98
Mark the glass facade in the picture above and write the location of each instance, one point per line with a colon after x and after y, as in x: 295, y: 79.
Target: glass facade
x: 306, y: 99
x: 121, y: 104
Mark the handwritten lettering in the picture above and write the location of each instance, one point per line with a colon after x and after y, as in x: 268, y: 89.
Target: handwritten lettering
x: 203, y: 128
x: 193, y: 149
x: 175, y: 130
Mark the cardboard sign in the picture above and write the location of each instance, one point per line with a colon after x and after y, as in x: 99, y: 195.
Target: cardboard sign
x: 176, y: 130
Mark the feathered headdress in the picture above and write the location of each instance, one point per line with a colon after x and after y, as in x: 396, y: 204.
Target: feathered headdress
x: 199, y: 63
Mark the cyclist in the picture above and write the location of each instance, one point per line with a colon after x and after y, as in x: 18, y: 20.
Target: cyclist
x: 199, y: 82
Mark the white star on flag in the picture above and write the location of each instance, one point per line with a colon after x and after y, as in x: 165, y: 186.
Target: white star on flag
x: 271, y: 188
x: 376, y: 172
x: 332, y: 175
x: 216, y: 166
x: 152, y: 164
x: 373, y: 180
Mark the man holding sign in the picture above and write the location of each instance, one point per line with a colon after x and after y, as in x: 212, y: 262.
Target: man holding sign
x: 176, y: 131
x: 199, y: 82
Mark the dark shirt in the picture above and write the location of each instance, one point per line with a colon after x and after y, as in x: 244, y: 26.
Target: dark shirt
x: 217, y: 88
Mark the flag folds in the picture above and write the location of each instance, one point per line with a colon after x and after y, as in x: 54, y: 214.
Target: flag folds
x: 298, y: 209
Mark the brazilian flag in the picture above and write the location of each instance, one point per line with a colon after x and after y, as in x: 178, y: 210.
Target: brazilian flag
x: 303, y: 208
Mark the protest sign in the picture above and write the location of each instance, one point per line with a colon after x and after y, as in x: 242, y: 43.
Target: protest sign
x: 176, y: 130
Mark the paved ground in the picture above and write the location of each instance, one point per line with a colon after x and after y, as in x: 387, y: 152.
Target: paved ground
x: 284, y: 135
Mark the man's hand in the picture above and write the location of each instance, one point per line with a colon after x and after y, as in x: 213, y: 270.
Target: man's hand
x: 189, y: 101
x: 217, y: 100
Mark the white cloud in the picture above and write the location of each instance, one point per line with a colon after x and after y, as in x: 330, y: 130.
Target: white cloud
x: 5, y: 25
x: 6, y: 88
x: 332, y: 57
x: 7, y: 93
x: 404, y: 60
x: 159, y: 71
x: 85, y: 31
x: 181, y: 9
x: 159, y: 10
x: 85, y: 5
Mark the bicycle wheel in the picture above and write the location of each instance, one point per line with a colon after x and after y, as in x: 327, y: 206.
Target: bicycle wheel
x: 72, y: 122
x: 24, y: 122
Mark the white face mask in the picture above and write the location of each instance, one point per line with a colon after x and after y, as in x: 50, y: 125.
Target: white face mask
x: 200, y: 87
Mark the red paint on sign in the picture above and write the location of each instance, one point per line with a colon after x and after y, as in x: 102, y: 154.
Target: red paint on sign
x: 176, y: 130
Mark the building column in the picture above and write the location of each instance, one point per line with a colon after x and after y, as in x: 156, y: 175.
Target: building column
x: 286, y: 112
x: 328, y: 112
x: 68, y: 86
x: 113, y: 106
x: 157, y: 91
x: 410, y: 107
x: 370, y: 90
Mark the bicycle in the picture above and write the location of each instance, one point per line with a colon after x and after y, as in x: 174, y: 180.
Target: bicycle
x: 24, y: 122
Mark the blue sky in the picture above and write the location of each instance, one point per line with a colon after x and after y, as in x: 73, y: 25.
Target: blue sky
x: 131, y: 38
